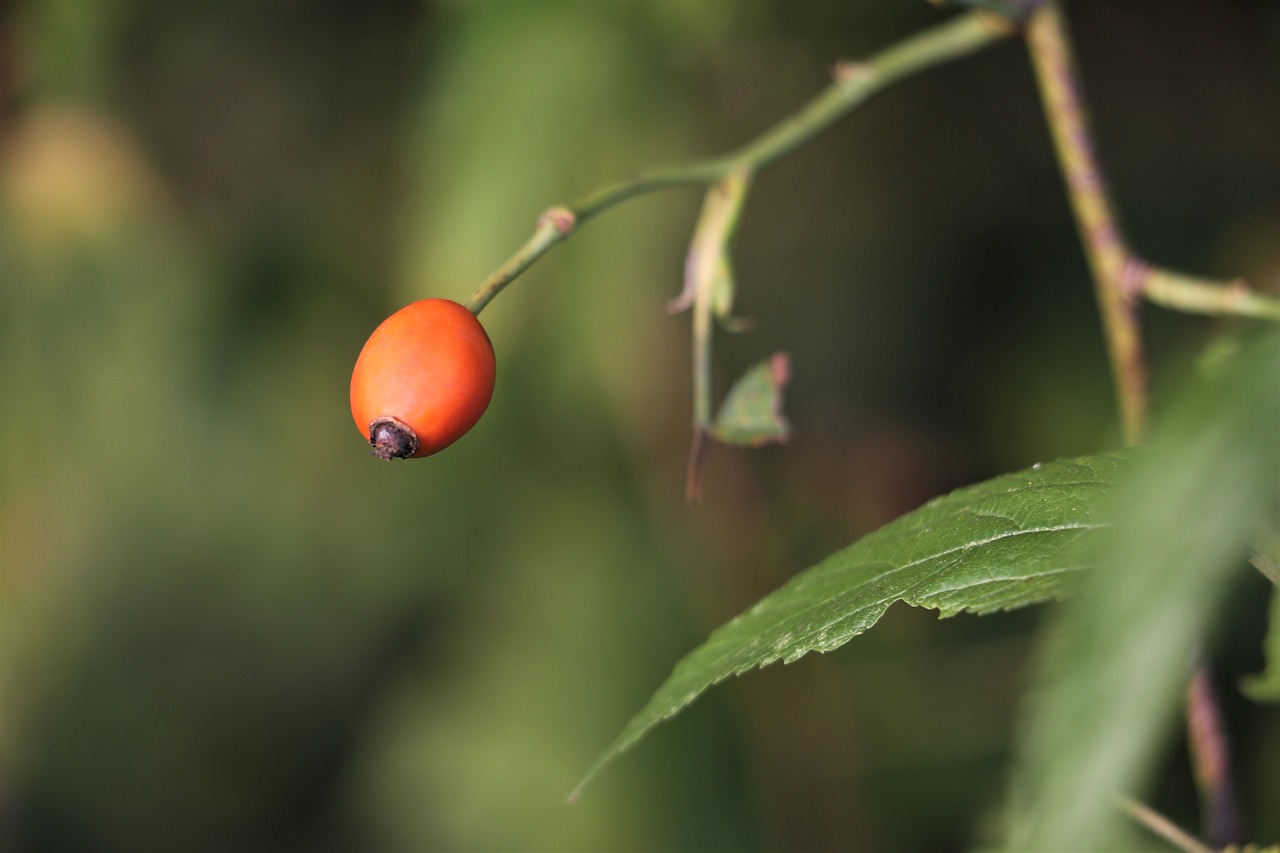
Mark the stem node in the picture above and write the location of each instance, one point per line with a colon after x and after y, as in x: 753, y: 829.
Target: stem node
x: 561, y: 218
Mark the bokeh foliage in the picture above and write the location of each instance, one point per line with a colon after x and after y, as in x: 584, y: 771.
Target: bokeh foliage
x: 223, y: 625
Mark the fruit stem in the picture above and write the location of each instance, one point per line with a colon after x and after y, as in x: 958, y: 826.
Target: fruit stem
x: 853, y: 84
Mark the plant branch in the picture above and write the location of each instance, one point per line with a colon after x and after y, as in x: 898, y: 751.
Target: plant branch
x: 1104, y: 245
x: 1163, y: 827
x: 708, y: 272
x: 1194, y: 295
x: 1211, y: 760
x: 853, y: 84
x: 706, y: 269
x: 1266, y: 567
x: 1121, y: 278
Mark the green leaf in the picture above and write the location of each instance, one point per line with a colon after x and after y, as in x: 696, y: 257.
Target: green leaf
x: 997, y: 545
x: 1265, y: 686
x: 1117, y: 660
x: 751, y: 414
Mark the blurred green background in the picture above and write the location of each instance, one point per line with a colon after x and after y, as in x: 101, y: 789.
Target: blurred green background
x: 223, y: 625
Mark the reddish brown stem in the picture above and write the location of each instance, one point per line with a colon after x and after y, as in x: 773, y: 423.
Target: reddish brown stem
x: 1211, y: 761
x: 1121, y: 278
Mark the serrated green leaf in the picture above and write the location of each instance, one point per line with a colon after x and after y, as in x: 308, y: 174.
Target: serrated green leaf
x: 1265, y: 686
x: 1004, y: 543
x: 1118, y: 657
x: 751, y: 415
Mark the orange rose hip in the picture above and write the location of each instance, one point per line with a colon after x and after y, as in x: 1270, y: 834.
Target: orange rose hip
x: 424, y: 378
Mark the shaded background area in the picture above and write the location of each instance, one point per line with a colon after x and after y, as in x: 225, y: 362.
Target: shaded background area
x: 223, y: 625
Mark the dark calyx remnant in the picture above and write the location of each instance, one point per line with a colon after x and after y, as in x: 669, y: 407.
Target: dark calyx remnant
x: 392, y: 439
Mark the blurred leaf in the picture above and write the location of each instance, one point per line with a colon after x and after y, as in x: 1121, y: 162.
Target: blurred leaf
x: 1117, y: 659
x: 997, y: 545
x: 751, y: 414
x: 1265, y: 686
x: 722, y: 289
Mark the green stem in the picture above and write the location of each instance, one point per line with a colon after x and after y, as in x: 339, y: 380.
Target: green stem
x: 1163, y: 827
x: 1183, y: 292
x: 1266, y: 566
x: 854, y: 83
x: 706, y: 267
x: 857, y: 82
x: 1104, y: 245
